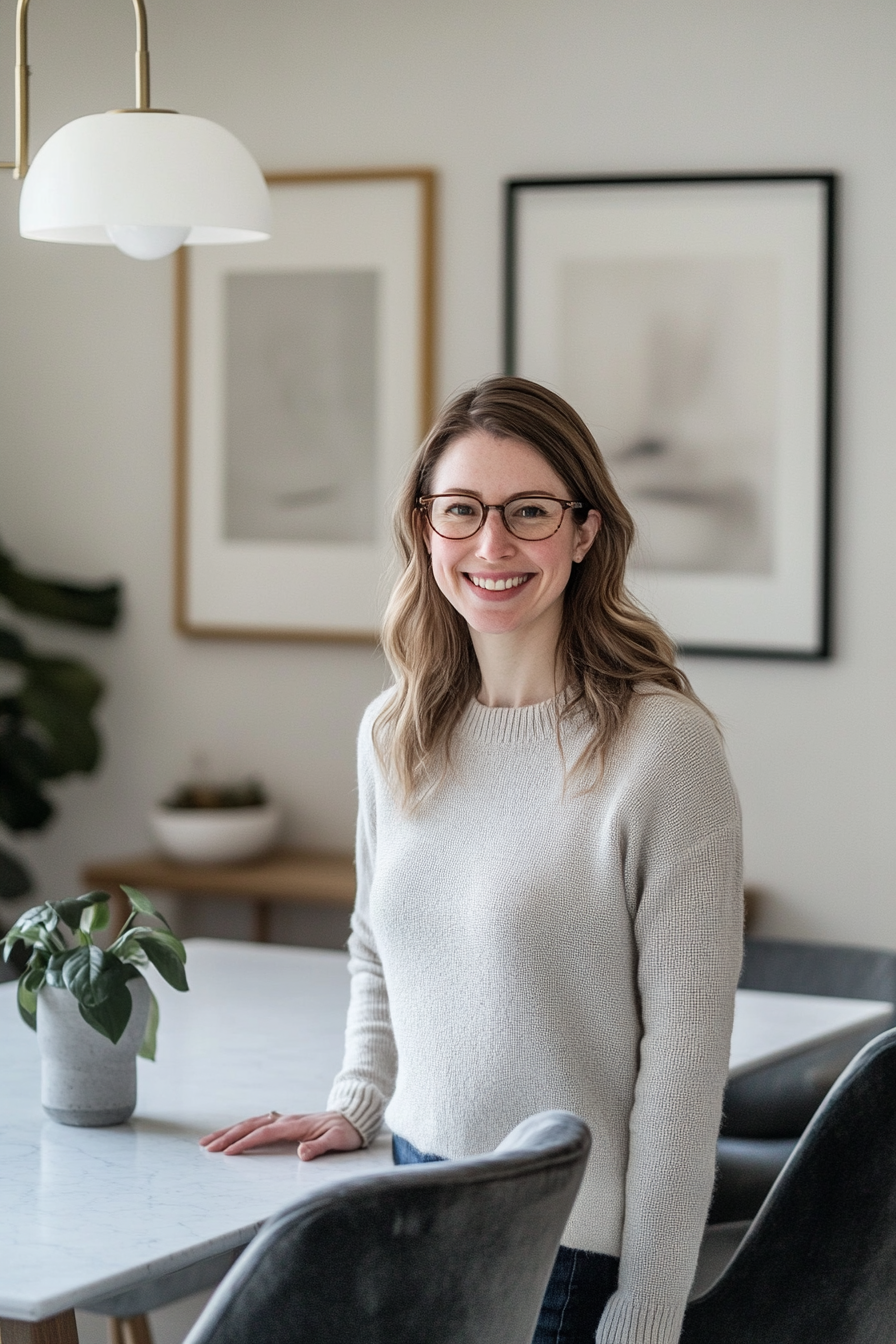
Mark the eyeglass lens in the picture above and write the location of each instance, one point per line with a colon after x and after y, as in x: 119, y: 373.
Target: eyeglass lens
x: 530, y: 519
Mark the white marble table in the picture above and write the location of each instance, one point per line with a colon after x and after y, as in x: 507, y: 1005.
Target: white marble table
x: 770, y: 1027
x: 88, y: 1214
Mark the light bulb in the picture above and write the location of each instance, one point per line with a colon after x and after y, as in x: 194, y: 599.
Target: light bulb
x: 147, y: 242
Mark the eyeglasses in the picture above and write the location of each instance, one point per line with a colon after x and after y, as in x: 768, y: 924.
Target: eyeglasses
x: 528, y: 517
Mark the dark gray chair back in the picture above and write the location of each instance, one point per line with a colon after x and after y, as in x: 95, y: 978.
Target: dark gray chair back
x: 818, y: 1265
x: 443, y: 1251
x: 819, y: 968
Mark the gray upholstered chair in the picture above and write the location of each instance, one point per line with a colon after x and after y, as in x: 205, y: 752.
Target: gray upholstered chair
x: 427, y: 1254
x: 818, y: 1264
x: 765, y: 1112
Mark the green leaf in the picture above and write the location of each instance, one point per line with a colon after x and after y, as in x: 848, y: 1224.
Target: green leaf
x: 127, y: 948
x: 142, y: 904
x: 12, y: 648
x: 95, y: 917
x: 112, y: 1014
x: 148, y: 1047
x: 96, y: 605
x: 23, y: 765
x: 167, y: 960
x: 72, y: 742
x: 17, y: 956
x: 64, y: 679
x: 27, y: 1002
x: 58, y: 695
x: 71, y: 911
x: 56, y: 966
x: 42, y: 918
x: 164, y: 936
x: 10, y: 939
x: 35, y: 976
x: 14, y: 878
x: 92, y: 975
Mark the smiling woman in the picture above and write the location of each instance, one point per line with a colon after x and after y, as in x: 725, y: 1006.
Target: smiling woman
x: 549, y: 888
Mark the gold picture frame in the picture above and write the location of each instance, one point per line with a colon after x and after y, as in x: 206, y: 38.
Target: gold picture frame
x: 274, y: 536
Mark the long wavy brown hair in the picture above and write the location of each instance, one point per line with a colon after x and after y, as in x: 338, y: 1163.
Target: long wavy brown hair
x: 608, y: 643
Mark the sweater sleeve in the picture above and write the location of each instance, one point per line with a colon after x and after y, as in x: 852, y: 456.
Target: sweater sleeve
x: 364, y: 1085
x: 688, y: 926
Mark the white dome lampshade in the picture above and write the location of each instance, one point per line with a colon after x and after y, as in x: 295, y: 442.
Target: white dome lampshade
x: 145, y: 181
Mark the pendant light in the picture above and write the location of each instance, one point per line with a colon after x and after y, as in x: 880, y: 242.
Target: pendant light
x: 144, y: 179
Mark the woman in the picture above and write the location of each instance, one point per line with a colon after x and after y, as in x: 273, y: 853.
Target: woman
x: 549, y: 890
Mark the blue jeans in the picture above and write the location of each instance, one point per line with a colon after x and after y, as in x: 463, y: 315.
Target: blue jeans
x: 580, y: 1285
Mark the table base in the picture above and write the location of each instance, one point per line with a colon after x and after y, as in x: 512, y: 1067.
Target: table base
x: 129, y: 1330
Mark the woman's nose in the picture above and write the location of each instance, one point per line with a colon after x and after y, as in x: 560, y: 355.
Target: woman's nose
x: 494, y: 541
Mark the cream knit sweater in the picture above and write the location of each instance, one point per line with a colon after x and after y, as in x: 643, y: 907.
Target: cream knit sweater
x: 517, y: 948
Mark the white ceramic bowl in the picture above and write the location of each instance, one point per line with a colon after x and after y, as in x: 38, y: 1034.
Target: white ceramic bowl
x: 214, y: 834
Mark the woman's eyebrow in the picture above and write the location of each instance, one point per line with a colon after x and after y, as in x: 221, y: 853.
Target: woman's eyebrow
x: 540, y: 492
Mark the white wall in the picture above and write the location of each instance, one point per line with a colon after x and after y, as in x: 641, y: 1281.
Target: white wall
x: 482, y: 90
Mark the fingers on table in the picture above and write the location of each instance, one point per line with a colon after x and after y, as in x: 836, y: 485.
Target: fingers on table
x: 253, y: 1129
x: 335, y: 1136
x: 309, y: 1149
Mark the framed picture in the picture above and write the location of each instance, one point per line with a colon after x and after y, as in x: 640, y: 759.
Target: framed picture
x: 689, y: 321
x: 304, y: 385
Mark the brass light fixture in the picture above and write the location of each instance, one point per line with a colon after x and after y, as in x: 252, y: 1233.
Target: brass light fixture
x: 142, y: 178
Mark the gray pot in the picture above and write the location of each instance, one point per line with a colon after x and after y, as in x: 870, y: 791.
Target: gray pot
x: 85, y: 1079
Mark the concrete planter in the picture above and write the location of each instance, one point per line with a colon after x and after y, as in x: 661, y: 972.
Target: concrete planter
x: 85, y: 1079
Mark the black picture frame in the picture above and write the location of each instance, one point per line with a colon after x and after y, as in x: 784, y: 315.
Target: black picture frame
x: 742, y: 267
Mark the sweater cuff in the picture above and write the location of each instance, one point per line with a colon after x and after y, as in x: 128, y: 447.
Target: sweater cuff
x: 625, y: 1321
x: 362, y: 1104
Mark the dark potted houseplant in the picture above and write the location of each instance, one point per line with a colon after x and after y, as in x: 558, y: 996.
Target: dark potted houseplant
x: 91, y: 1007
x: 47, y: 728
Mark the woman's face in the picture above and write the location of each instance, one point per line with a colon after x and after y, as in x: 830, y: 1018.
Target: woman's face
x: 495, y: 470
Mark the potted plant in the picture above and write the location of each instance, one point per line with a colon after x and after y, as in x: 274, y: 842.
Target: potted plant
x: 91, y: 1007
x: 47, y: 728
x: 202, y: 822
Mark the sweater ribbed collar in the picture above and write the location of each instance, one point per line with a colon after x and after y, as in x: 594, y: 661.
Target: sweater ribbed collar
x: 528, y: 723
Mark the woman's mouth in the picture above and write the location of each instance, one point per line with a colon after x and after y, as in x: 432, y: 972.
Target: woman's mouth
x: 497, y: 583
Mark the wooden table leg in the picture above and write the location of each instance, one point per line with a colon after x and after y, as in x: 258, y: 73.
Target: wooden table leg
x: 129, y: 1330
x: 262, y: 921
x: 59, y: 1329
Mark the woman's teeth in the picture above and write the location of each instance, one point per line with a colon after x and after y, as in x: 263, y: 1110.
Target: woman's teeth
x: 498, y: 585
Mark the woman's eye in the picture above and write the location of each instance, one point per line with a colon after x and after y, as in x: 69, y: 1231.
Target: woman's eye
x: 529, y: 511
x: 461, y: 510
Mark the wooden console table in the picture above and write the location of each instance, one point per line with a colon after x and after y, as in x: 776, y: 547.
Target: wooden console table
x: 297, y: 876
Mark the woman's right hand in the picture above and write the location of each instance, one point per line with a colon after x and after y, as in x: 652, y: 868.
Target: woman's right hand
x: 323, y: 1132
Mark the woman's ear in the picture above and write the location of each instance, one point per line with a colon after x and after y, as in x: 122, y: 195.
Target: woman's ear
x: 420, y: 525
x: 586, y: 532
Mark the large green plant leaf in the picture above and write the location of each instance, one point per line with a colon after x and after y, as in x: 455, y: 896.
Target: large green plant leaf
x: 166, y: 953
x: 111, y: 1015
x: 46, y: 732
x: 148, y: 1045
x: 38, y: 922
x: 12, y: 648
x: 23, y: 763
x: 71, y: 912
x: 143, y: 905
x: 59, y: 695
x: 97, y: 605
x: 14, y: 878
x: 56, y: 966
x: 65, y: 680
x: 27, y: 1003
